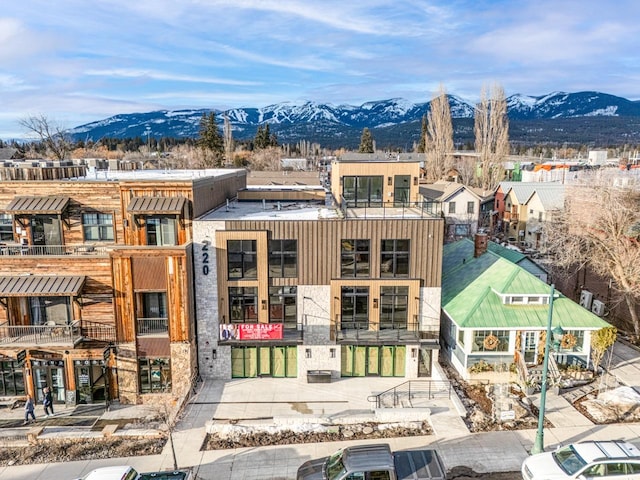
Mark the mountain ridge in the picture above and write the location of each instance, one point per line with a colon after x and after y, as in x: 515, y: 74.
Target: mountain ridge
x: 314, y: 121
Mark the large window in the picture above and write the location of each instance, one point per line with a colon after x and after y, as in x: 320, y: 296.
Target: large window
x: 394, y: 303
x: 362, y: 191
x: 243, y: 304
x: 97, y: 227
x: 11, y: 379
x: 155, y: 375
x: 242, y: 259
x: 394, y: 258
x: 6, y: 228
x: 50, y: 310
x: 354, y: 258
x: 490, y: 341
x: 282, y: 306
x: 355, y: 308
x: 152, y: 314
x: 162, y: 230
x: 572, y: 341
x: 283, y: 258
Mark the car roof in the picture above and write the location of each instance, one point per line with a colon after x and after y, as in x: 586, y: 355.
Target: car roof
x: 591, y: 451
x: 108, y: 473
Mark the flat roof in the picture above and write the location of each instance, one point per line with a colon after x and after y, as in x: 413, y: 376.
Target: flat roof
x: 94, y: 175
x: 255, y: 210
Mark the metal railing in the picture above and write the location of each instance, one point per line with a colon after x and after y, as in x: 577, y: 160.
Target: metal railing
x: 404, y: 393
x: 18, y: 249
x: 344, y: 331
x: 97, y: 331
x: 152, y: 326
x: 39, y: 334
x: 379, y: 209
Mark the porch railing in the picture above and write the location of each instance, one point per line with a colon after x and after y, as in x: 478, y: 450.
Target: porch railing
x: 153, y: 326
x: 39, y: 334
x: 85, y: 249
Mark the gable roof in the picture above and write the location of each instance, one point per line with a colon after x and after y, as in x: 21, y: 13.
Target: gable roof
x: 471, y: 289
x: 551, y: 196
x: 442, y: 191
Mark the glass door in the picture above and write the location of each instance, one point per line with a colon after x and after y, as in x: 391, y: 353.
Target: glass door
x: 401, y: 190
x: 49, y: 376
x: 529, y: 346
x: 45, y: 230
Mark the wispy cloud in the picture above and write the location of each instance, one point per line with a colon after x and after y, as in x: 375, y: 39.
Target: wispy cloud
x: 168, y: 77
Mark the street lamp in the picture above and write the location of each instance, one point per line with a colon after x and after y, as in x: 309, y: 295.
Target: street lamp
x: 538, y: 445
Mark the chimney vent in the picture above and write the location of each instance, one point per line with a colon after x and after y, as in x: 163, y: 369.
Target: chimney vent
x: 480, y: 244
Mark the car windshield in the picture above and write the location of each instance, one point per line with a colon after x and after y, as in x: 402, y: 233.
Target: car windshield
x: 334, y: 466
x: 568, y: 460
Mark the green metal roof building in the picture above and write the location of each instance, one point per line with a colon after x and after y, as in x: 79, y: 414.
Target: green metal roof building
x: 494, y: 310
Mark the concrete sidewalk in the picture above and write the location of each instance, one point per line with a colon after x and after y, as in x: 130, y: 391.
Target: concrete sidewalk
x: 262, y: 399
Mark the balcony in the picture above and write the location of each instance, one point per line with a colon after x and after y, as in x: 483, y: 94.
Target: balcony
x: 510, y: 217
x: 360, y: 331
x: 60, y: 250
x: 152, y: 326
x: 30, y: 335
x: 391, y: 210
x: 55, y: 335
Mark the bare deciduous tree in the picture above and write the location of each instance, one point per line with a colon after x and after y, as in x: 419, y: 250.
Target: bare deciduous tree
x: 228, y: 142
x: 492, y: 136
x: 438, y: 137
x: 599, y: 227
x: 53, y: 136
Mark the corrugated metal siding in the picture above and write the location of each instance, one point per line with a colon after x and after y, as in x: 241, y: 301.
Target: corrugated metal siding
x: 146, y: 205
x: 32, y: 204
x: 149, y: 273
x: 24, y: 286
x: 319, y: 244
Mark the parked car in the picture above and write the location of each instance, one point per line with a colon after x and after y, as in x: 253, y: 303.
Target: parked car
x: 126, y: 472
x: 375, y: 462
x: 615, y: 459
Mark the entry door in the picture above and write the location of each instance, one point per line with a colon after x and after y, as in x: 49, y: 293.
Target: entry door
x: 401, y: 190
x: 51, y: 376
x: 529, y: 345
x: 279, y: 362
x: 373, y: 361
x: 90, y: 382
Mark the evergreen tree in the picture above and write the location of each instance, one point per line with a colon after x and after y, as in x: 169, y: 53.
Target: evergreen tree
x: 210, y: 138
x: 264, y: 138
x: 366, y: 142
x: 423, y: 135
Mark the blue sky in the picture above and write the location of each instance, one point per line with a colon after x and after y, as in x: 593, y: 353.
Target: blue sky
x: 77, y: 61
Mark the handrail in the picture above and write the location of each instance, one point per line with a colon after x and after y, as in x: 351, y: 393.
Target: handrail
x: 82, y: 249
x: 412, y: 389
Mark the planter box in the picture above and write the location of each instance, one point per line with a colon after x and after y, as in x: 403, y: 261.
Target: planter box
x: 318, y: 376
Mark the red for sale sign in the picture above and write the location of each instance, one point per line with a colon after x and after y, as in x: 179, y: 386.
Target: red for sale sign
x: 260, y: 331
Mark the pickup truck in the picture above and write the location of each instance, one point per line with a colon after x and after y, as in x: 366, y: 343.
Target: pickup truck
x: 374, y: 462
x: 125, y: 472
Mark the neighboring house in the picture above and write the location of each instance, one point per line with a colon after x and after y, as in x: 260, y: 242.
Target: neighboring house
x: 348, y: 285
x: 495, y: 311
x: 460, y: 206
x: 8, y: 153
x: 96, y: 280
x: 543, y: 206
x: 499, y: 206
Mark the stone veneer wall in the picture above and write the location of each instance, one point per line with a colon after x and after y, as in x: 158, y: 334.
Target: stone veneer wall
x: 127, y: 363
x: 314, y: 313
x: 182, y: 368
x: 206, y: 295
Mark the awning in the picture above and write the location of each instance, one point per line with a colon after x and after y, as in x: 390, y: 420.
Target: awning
x: 40, y: 285
x: 34, y: 205
x: 150, y: 205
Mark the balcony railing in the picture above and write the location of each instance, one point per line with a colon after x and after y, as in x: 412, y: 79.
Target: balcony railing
x: 363, y: 331
x: 379, y: 209
x: 94, y: 331
x: 153, y: 326
x: 27, y: 335
x: 19, y: 249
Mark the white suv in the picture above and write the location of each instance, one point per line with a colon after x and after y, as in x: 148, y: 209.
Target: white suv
x: 601, y: 460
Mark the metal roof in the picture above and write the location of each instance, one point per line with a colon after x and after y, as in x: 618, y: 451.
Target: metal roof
x: 31, y: 204
x: 472, y: 289
x: 40, y: 285
x: 147, y: 205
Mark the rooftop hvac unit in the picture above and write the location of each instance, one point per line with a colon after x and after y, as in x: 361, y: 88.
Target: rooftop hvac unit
x: 586, y: 297
x: 598, y: 308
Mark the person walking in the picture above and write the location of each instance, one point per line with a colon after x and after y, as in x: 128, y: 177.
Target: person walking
x: 47, y: 401
x: 29, y: 409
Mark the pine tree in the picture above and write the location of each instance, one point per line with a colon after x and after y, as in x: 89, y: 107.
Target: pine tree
x: 210, y: 139
x: 423, y: 135
x: 366, y: 142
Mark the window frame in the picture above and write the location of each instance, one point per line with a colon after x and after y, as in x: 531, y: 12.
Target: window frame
x: 352, y: 296
x: 477, y: 344
x: 247, y: 263
x: 6, y: 227
x: 393, y: 255
x: 391, y: 297
x: 282, y: 254
x: 471, y: 207
x: 241, y: 300
x: 160, y: 230
x: 147, y: 367
x: 103, y: 228
x: 284, y: 297
x: 361, y: 249
x: 452, y: 208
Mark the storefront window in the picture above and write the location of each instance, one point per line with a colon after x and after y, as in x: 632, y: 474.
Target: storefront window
x: 155, y: 375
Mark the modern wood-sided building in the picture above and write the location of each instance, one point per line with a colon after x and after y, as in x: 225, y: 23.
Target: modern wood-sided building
x: 347, y: 285
x: 96, y: 282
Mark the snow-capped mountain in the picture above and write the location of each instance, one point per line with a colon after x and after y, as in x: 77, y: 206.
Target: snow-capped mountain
x: 315, y: 121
